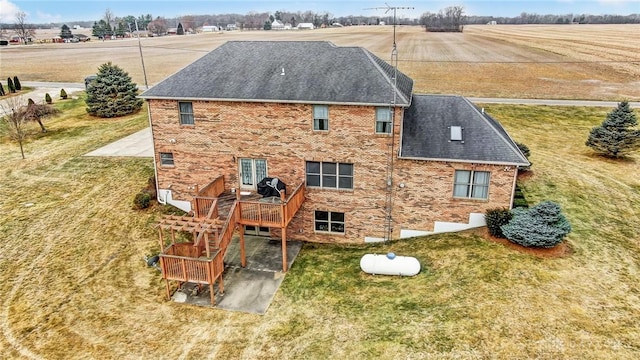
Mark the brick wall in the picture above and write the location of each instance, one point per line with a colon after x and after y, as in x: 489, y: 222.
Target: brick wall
x: 283, y: 135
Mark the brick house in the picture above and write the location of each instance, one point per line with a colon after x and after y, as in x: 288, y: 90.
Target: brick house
x: 378, y: 161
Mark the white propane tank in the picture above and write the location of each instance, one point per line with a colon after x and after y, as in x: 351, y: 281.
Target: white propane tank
x: 389, y: 264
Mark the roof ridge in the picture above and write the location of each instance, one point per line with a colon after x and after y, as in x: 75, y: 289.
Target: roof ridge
x: 384, y: 74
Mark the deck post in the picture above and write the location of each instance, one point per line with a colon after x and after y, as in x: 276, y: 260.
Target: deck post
x: 168, y: 289
x: 284, y: 249
x: 243, y: 255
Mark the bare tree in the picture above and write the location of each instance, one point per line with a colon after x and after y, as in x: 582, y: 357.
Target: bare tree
x: 15, y: 120
x: 22, y: 29
x: 109, y: 17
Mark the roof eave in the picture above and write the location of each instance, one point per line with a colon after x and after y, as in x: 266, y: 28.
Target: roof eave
x: 278, y: 101
x: 504, y: 163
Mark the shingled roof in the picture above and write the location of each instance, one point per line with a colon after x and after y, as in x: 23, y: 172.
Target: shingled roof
x: 426, y: 133
x: 286, y: 71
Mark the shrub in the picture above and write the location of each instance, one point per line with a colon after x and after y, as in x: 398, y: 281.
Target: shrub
x: 63, y: 94
x: 519, y: 200
x: 543, y: 225
x: 12, y: 88
x: 524, y: 149
x: 2, y: 90
x: 47, y: 98
x: 495, y: 219
x: 142, y: 200
x: 16, y: 83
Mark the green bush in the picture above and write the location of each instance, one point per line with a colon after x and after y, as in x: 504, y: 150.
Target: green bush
x: 16, y: 83
x: 12, y: 89
x: 47, y: 98
x: 496, y: 218
x: 142, y: 200
x: 520, y: 203
x: 543, y: 226
x: 63, y: 94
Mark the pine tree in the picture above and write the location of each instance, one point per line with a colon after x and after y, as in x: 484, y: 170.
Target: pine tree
x: 16, y: 83
x: 615, y: 137
x: 47, y: 98
x: 12, y: 88
x: 2, y: 90
x: 180, y: 29
x: 63, y: 94
x: 112, y: 93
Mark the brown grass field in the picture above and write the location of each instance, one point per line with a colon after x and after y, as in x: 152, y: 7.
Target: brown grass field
x: 74, y: 286
x: 595, y: 62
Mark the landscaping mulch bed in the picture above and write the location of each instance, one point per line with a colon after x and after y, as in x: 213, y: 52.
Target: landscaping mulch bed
x: 561, y: 250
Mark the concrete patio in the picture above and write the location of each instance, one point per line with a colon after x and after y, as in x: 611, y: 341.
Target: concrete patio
x: 250, y: 289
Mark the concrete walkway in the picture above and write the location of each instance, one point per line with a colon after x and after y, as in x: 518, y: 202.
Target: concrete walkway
x: 139, y: 144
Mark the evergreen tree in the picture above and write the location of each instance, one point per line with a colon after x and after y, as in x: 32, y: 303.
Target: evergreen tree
x: 101, y: 29
x: 12, y: 88
x: 112, y: 93
x: 16, y: 83
x: 47, y: 98
x: 65, y: 32
x: 2, y: 90
x: 63, y: 94
x: 180, y: 30
x: 615, y: 137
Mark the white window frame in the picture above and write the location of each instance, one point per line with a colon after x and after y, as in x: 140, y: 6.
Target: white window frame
x: 472, y: 188
x: 186, y: 118
x: 330, y: 225
x: 166, y: 159
x: 383, y: 123
x: 339, y: 176
x: 320, y: 117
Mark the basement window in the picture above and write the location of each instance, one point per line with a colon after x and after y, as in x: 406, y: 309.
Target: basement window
x: 166, y: 159
x: 329, y: 222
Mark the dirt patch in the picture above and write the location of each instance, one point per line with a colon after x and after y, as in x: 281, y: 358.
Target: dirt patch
x: 559, y: 251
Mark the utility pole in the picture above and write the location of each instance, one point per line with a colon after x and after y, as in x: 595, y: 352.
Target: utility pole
x: 144, y: 71
x: 388, y: 227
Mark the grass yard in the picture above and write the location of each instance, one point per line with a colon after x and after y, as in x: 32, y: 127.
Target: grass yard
x: 75, y: 286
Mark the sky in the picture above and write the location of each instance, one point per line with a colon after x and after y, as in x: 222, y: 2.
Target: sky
x: 60, y: 11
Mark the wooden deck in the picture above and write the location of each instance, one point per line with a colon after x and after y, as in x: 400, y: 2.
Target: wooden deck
x: 216, y: 215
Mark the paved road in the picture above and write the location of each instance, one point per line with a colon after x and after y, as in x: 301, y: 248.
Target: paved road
x: 548, y: 102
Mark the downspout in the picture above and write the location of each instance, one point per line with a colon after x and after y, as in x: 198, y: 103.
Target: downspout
x: 153, y: 146
x: 513, y: 187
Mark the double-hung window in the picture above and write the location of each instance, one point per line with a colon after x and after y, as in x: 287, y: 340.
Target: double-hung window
x: 328, y: 221
x: 383, y: 120
x: 186, y: 113
x: 329, y: 175
x: 166, y: 159
x: 321, y: 117
x: 471, y: 184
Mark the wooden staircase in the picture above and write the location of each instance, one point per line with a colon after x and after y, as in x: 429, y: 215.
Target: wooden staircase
x: 216, y: 215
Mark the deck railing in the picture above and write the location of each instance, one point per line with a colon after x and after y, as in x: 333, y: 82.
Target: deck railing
x: 258, y: 213
x: 205, y: 207
x: 212, y: 189
x: 187, y: 269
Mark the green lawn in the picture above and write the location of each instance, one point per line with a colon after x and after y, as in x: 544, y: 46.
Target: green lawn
x: 75, y: 286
